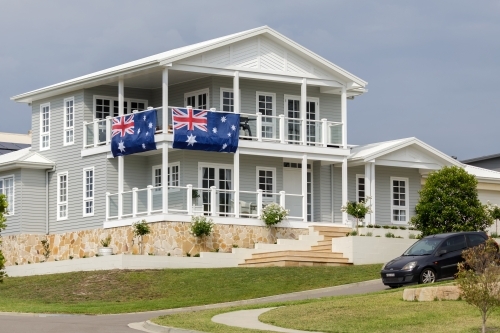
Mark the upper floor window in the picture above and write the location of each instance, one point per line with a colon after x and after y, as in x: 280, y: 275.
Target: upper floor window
x: 266, y: 105
x: 197, y: 99
x: 45, y: 126
x: 7, y: 188
x: 69, y: 121
x: 360, y: 188
x: 108, y: 106
x: 62, y: 196
x: 266, y: 181
x: 227, y: 100
x: 88, y: 192
x: 399, y: 200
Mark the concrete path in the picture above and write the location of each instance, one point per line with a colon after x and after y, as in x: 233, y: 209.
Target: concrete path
x: 40, y: 323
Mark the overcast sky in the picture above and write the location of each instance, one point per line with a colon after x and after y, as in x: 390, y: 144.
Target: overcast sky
x: 432, y: 67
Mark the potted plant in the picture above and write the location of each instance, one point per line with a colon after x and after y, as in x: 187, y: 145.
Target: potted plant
x: 141, y: 229
x: 273, y: 214
x: 358, y: 210
x: 105, y: 249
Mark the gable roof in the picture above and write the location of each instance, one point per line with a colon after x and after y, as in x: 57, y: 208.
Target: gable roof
x: 481, y: 158
x: 24, y: 158
x: 481, y: 173
x: 170, y: 56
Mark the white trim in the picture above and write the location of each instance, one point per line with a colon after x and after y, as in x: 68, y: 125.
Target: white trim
x: 358, y: 176
x: 159, y: 167
x: 42, y: 133
x: 196, y: 93
x: 62, y: 203
x: 111, y: 104
x: 3, y: 178
x: 273, y: 170
x: 65, y: 127
x: 85, y: 198
x: 222, y: 90
x: 213, y: 165
x: 406, y: 207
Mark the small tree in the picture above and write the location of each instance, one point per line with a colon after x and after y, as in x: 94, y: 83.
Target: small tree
x: 479, y: 278
x: 3, y: 210
x: 494, y: 212
x: 449, y: 202
x: 201, y: 227
x: 140, y: 229
x: 358, y: 210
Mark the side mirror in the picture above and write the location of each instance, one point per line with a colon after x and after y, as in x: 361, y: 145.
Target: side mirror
x: 441, y: 252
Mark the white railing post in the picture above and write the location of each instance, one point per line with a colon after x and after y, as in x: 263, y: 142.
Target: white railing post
x: 84, y: 134
x: 259, y: 126
x: 324, y: 132
x: 134, y: 201
x: 108, y: 129
x: 259, y: 202
x: 120, y: 205
x: 190, y: 199
x: 107, y: 206
x: 150, y: 199
x: 95, y: 127
x: 213, y: 201
x: 282, y: 128
x: 282, y: 199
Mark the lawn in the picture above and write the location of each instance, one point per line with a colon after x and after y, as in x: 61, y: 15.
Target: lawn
x: 378, y: 312
x: 120, y: 291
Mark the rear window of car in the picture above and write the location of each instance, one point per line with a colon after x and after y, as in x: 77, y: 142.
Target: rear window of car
x: 454, y: 243
x: 475, y: 240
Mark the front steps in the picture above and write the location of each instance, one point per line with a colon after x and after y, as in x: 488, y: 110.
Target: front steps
x: 314, y: 249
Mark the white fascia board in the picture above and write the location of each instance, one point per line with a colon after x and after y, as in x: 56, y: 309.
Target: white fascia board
x: 26, y: 165
x: 405, y: 164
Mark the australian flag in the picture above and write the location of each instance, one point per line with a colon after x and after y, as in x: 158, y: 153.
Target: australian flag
x: 133, y: 133
x: 206, y: 130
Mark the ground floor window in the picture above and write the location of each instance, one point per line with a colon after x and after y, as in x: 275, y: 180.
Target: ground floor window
x: 399, y: 200
x: 173, y: 177
x: 88, y: 192
x: 7, y: 188
x: 220, y: 176
x: 360, y: 188
x: 62, y: 196
x: 266, y: 181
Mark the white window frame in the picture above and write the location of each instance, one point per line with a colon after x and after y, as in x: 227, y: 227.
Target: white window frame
x: 407, y: 200
x: 67, y: 128
x: 159, y: 167
x: 273, y: 170
x: 196, y: 93
x: 42, y: 132
x: 222, y: 90
x: 217, y: 166
x: 59, y: 202
x: 85, y: 198
x: 115, y: 98
x: 11, y: 207
x: 358, y: 176
x: 273, y: 111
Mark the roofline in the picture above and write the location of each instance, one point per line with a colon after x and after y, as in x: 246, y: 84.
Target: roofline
x: 481, y: 158
x: 74, y: 84
x: 25, y: 165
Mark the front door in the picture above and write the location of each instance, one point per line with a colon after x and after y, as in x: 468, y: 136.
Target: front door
x: 313, y: 128
x: 221, y: 178
x: 292, y: 184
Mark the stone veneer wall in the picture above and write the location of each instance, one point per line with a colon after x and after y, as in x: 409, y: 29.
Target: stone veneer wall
x: 165, y: 237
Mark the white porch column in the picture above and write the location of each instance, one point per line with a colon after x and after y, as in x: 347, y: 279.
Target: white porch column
x: 368, y: 193
x: 236, y: 162
x: 121, y: 161
x: 304, y: 187
x: 343, y: 107
x: 303, y: 110
x: 372, y: 192
x: 344, y: 189
x: 164, y: 145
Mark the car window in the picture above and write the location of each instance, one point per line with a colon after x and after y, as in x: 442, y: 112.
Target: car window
x: 475, y: 240
x: 423, y: 247
x: 454, y: 243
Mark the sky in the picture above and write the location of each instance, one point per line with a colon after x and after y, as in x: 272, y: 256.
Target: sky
x: 433, y: 67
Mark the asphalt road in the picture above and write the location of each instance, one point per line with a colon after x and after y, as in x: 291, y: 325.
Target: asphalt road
x: 27, y: 323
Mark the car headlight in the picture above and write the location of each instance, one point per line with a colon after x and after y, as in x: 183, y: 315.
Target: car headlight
x: 409, y: 266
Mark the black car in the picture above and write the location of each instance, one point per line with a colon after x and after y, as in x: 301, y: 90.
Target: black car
x: 431, y: 258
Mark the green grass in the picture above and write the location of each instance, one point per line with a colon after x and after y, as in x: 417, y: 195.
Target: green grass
x: 119, y: 291
x: 377, y: 312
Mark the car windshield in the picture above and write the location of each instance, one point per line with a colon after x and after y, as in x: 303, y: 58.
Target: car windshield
x: 423, y: 247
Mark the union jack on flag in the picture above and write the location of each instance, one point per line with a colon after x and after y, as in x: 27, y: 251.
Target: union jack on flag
x: 123, y: 125
x: 189, y: 118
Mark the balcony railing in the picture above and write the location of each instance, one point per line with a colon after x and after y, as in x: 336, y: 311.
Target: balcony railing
x: 211, y: 201
x: 253, y: 126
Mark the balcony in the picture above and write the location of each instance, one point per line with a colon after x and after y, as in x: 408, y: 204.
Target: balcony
x: 253, y: 126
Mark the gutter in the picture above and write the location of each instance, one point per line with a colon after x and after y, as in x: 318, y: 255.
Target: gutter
x: 47, y: 198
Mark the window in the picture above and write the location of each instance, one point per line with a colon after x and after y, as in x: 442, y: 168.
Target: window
x: 360, y: 188
x: 69, y: 121
x: 475, y: 240
x: 7, y: 188
x: 62, y: 196
x: 454, y: 243
x: 88, y: 192
x: 197, y: 99
x: 266, y: 181
x: 45, y: 126
x: 399, y: 202
x: 108, y: 106
x: 227, y: 100
x: 266, y: 106
x: 173, y: 177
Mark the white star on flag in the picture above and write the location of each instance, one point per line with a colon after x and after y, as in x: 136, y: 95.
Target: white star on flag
x: 144, y: 118
x: 224, y: 146
x: 223, y: 119
x: 139, y: 131
x: 191, y: 140
x: 143, y: 146
x: 214, y: 130
x: 229, y: 134
x: 147, y: 133
x: 121, y: 146
x: 150, y: 125
x: 233, y: 128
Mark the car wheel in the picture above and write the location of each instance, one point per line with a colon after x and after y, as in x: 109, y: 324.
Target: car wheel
x: 427, y: 276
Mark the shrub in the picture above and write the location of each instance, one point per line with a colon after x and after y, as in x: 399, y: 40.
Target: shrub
x: 106, y: 241
x: 201, y: 227
x: 377, y: 226
x: 3, y: 210
x: 196, y: 255
x: 353, y: 233
x: 369, y: 226
x: 235, y: 246
x: 273, y: 214
x: 411, y: 228
x: 394, y: 227
x: 386, y: 226
x: 494, y: 235
x: 377, y: 236
x: 45, y: 246
x: 402, y: 228
x: 141, y: 229
x: 358, y: 210
x: 449, y: 202
x: 412, y: 236
x: 369, y: 234
x: 389, y: 235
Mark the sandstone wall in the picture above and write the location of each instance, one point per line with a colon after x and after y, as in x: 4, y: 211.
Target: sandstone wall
x: 165, y: 237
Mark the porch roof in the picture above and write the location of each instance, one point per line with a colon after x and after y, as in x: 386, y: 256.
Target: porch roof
x: 24, y: 158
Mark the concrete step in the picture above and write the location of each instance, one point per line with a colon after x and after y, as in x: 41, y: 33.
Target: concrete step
x: 298, y: 254
x: 293, y: 263
x: 325, y: 242
x: 325, y: 229
x: 322, y: 248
